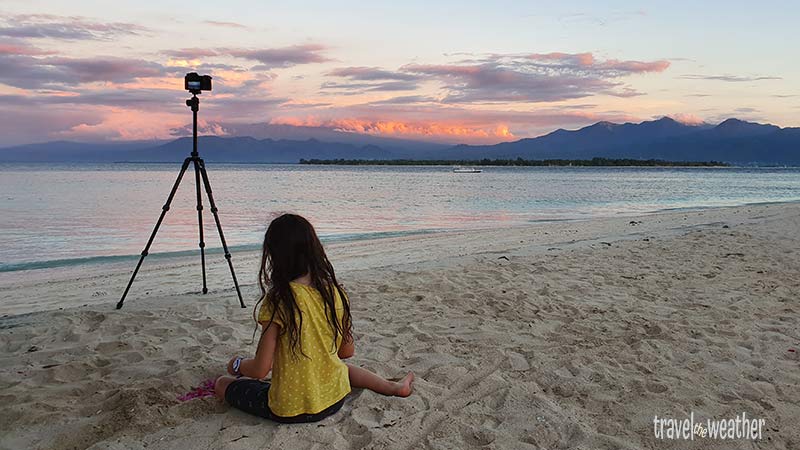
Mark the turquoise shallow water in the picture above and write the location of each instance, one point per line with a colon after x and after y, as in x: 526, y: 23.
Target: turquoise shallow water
x: 63, y: 215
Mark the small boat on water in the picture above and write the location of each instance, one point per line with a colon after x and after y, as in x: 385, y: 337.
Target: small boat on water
x: 466, y: 170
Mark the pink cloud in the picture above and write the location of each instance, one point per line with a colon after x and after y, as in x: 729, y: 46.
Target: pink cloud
x: 635, y: 66
x: 587, y: 61
x: 119, y: 124
x: 424, y: 130
x: 582, y: 59
x: 730, y: 78
x: 22, y: 48
x: 687, y: 118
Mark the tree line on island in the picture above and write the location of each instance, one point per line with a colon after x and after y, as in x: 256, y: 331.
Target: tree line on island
x: 518, y: 162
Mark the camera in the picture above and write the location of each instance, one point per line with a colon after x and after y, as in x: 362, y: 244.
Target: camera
x: 195, y: 83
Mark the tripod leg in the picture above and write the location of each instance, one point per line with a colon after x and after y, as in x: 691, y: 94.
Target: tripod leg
x: 219, y: 227
x: 200, y: 221
x: 164, y: 210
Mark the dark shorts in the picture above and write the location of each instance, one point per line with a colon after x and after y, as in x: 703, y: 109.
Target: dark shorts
x: 250, y: 396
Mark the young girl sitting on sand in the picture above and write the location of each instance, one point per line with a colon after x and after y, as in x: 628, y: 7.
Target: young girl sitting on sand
x: 306, y: 332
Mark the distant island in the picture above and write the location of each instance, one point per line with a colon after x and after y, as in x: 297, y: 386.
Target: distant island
x: 519, y: 162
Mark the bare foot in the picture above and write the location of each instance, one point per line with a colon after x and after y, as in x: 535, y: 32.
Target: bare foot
x: 405, y: 386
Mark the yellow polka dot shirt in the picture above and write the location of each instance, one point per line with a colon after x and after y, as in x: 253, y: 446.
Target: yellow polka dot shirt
x: 303, y: 385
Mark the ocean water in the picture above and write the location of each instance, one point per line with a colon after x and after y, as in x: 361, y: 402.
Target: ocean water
x: 55, y: 215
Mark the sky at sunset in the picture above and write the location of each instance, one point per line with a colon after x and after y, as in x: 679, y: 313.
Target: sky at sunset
x: 445, y: 71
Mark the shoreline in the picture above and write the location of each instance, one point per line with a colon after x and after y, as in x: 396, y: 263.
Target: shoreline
x: 92, y: 261
x: 245, y: 261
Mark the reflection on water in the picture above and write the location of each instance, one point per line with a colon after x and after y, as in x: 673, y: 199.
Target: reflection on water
x: 65, y: 212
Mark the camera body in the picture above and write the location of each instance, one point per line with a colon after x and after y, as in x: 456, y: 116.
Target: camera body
x: 195, y: 83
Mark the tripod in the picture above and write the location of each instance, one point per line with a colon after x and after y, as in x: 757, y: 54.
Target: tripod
x: 199, y: 174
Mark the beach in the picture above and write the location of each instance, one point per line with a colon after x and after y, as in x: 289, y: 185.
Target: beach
x: 566, y: 334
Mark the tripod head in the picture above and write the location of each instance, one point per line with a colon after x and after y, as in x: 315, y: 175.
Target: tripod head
x: 193, y: 102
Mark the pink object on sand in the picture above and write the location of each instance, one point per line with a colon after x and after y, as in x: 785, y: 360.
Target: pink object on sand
x: 206, y: 389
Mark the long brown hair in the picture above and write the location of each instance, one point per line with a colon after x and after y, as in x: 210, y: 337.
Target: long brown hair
x: 291, y: 250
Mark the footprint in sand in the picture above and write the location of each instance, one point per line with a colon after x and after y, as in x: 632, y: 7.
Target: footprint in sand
x: 223, y: 333
x: 656, y: 388
x: 131, y: 357
x: 375, y: 417
x: 653, y: 330
x: 478, y: 436
x: 358, y: 435
x: 564, y: 390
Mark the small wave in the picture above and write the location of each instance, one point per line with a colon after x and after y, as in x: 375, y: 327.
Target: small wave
x: 68, y: 262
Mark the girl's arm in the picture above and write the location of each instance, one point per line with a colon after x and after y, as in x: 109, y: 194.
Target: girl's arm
x: 260, y: 366
x: 348, y: 346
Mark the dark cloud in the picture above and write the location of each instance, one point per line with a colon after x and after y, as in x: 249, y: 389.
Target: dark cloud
x: 601, y: 20
x: 191, y: 53
x: 540, y: 117
x: 238, y: 107
x: 405, y: 100
x: 209, y: 67
x: 132, y: 98
x: 371, y: 74
x: 533, y: 77
x: 501, y: 78
x: 112, y: 69
x: 370, y: 79
x: 64, y: 28
x: 282, y: 56
x: 218, y: 23
x: 59, y: 72
x: 493, y: 83
x: 625, y: 92
x: 230, y: 102
x: 358, y: 88
x: 580, y: 106
x: 728, y: 78
x: 293, y: 104
x: 270, y: 58
x: 29, y: 73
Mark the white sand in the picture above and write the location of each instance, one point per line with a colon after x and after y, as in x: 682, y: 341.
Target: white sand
x: 560, y: 335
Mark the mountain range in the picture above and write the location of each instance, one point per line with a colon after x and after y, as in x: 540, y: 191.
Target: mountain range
x: 732, y: 141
